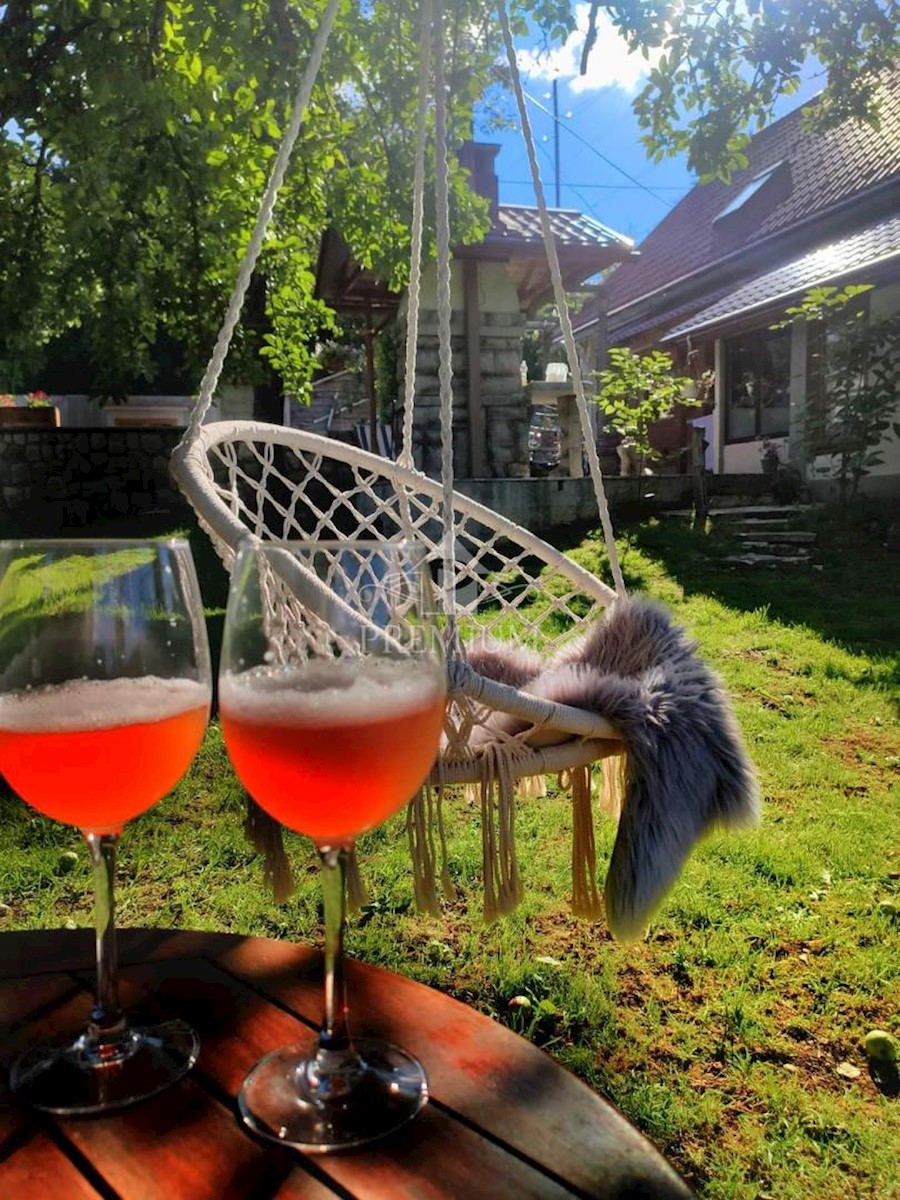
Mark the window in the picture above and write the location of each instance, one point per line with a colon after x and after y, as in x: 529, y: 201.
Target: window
x: 757, y: 384
x: 748, y: 192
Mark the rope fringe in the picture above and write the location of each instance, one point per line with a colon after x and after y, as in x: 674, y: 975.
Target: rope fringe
x: 266, y: 836
x: 502, y: 883
x: 614, y: 776
x: 357, y: 892
x: 420, y: 836
x: 586, y: 900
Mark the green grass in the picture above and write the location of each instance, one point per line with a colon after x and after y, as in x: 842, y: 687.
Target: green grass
x: 720, y: 1035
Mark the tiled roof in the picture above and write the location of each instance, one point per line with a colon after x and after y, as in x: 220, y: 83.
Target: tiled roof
x: 656, y: 320
x: 825, y: 169
x: 570, y: 227
x: 866, y: 248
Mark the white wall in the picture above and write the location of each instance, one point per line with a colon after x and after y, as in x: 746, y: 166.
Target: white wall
x: 745, y: 458
x: 75, y: 411
x: 883, y: 302
x: 496, y: 291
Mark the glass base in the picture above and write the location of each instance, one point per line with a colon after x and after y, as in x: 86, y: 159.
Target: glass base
x: 76, y: 1080
x: 384, y: 1088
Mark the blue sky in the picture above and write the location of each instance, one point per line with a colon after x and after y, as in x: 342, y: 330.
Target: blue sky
x: 599, y: 138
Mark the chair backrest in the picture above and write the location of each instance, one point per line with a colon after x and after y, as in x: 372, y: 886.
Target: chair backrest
x: 384, y: 438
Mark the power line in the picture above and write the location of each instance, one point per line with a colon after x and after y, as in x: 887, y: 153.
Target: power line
x: 611, y: 187
x: 609, y: 162
x: 573, y: 188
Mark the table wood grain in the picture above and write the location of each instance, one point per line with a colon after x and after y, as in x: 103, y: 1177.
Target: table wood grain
x: 503, y: 1120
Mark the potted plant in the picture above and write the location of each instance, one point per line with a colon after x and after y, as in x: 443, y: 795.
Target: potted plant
x: 38, y: 411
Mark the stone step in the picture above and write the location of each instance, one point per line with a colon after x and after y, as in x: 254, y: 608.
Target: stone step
x: 757, y: 511
x: 780, y: 551
x: 790, y: 537
x: 768, y: 560
x: 751, y: 512
x: 733, y: 503
x: 762, y: 524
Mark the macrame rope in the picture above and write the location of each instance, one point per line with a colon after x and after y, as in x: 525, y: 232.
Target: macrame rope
x: 585, y: 893
x: 444, y: 318
x: 562, y: 307
x: 251, y: 254
x: 415, y: 260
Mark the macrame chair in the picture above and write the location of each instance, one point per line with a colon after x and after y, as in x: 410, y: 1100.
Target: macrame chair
x: 244, y: 477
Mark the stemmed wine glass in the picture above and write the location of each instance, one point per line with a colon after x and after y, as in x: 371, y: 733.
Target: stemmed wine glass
x: 332, y: 694
x: 104, y: 698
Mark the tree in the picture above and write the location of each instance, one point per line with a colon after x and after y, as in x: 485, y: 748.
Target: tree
x: 635, y: 391
x: 858, y: 381
x: 136, y: 140
x: 723, y: 65
x: 135, y: 137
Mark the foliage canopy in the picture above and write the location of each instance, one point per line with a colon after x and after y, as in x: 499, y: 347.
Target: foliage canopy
x: 135, y: 138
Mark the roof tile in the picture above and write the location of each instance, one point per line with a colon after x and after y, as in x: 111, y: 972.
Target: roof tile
x: 831, y: 262
x: 825, y: 169
x: 570, y: 227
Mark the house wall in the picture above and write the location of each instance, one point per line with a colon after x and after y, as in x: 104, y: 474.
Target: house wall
x: 883, y: 302
x: 746, y: 457
x: 882, y: 480
x: 500, y: 329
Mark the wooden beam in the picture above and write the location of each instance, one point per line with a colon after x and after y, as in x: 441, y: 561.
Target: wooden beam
x: 370, y: 381
x: 477, y: 447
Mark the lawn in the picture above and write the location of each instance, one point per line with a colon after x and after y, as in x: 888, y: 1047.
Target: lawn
x: 732, y: 1035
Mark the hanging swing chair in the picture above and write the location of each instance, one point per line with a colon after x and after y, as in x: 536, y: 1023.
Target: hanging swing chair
x: 550, y: 670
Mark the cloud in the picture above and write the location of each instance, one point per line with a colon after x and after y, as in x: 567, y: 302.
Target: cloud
x: 611, y: 63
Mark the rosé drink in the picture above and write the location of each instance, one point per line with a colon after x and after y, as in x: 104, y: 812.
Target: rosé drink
x: 332, y: 749
x: 332, y: 691
x: 95, y: 753
x: 104, y: 696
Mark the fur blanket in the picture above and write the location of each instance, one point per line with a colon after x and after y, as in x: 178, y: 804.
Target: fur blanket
x: 687, y: 770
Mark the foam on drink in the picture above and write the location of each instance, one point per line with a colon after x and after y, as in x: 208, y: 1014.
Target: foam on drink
x: 87, y: 704
x: 344, y: 691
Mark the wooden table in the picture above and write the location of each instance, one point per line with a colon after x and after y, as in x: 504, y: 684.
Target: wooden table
x: 503, y: 1120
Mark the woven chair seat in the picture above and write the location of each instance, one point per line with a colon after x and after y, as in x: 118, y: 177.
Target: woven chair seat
x: 275, y: 483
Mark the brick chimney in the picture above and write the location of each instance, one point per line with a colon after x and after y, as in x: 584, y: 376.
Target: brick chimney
x: 478, y: 159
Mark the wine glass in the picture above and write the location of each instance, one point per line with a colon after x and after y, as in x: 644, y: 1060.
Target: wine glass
x: 104, y: 698
x: 332, y: 693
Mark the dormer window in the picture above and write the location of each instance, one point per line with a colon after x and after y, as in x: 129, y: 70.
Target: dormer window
x: 753, y: 188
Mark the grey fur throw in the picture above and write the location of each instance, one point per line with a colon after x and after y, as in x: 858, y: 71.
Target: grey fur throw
x: 687, y: 769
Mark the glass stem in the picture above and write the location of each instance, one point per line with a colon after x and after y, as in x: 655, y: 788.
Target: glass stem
x: 107, y: 1020
x: 334, y: 1035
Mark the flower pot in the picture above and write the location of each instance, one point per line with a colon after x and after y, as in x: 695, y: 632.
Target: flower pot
x: 44, y: 417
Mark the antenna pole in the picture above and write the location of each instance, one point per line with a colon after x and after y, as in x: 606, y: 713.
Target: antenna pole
x: 556, y: 139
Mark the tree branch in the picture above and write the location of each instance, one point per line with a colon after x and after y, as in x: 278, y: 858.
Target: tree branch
x: 591, y: 36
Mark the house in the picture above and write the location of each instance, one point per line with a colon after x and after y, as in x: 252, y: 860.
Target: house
x: 497, y: 283
x: 719, y: 271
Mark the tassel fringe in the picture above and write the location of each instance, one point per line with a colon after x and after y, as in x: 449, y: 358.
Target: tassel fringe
x: 266, y: 836
x: 586, y: 900
x: 502, y: 884
x: 357, y: 893
x: 614, y: 775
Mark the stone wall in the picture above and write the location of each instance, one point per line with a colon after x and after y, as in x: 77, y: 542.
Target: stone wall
x: 546, y: 505
x: 59, y: 479
x: 502, y: 396
x: 501, y: 325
